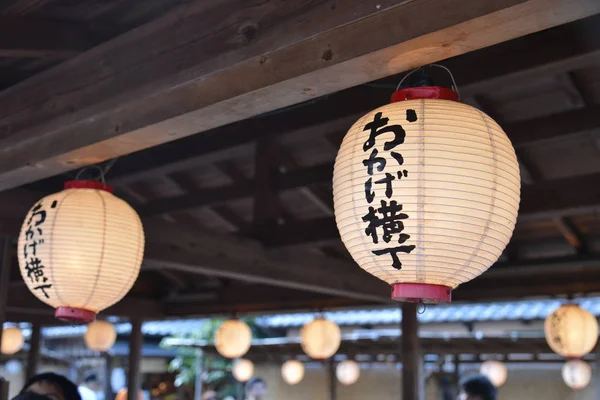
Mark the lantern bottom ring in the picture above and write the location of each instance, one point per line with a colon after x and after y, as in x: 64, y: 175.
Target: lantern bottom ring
x: 421, y: 293
x: 75, y: 315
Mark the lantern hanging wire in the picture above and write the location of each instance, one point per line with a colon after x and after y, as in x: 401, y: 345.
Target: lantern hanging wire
x: 454, y: 85
x: 102, y: 172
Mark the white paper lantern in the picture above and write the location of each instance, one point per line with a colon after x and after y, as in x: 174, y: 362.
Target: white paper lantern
x: 12, y: 340
x: 80, y: 250
x: 13, y: 367
x: 233, y: 338
x: 292, y: 372
x: 426, y: 193
x: 571, y: 331
x: 321, y: 338
x: 100, y: 335
x: 495, y: 371
x: 577, y: 374
x: 242, y: 370
x: 347, y: 372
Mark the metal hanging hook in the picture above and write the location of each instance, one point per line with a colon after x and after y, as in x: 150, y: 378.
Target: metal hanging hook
x: 454, y: 85
x: 421, y: 308
x: 101, y: 172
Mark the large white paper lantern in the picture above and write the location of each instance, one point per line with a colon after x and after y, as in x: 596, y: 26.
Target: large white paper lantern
x: 100, y: 335
x: 12, y: 340
x: 577, y: 374
x: 80, y: 250
x: 233, y: 338
x: 347, y: 372
x: 426, y: 193
x: 292, y: 372
x: 571, y: 331
x: 321, y: 338
x: 242, y: 370
x: 495, y: 371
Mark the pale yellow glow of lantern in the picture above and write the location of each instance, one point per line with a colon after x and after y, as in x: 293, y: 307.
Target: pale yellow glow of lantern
x: 90, y: 244
x: 577, y: 374
x: 495, y: 371
x: 457, y: 181
x: 321, y: 338
x: 242, y: 370
x: 12, y: 340
x: 100, y: 335
x: 292, y: 372
x: 571, y: 331
x: 347, y: 372
x: 233, y: 338
x: 122, y: 395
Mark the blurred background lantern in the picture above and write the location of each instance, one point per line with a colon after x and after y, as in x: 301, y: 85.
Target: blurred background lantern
x: 233, y: 338
x: 80, y: 250
x: 347, y: 372
x: 12, y: 340
x: 100, y: 335
x: 321, y: 338
x: 13, y: 367
x: 292, y: 372
x: 122, y: 395
x: 242, y: 370
x: 426, y: 193
x: 577, y: 374
x: 571, y: 331
x: 495, y: 371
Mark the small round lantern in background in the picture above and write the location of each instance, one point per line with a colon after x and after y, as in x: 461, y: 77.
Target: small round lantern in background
x: 347, y: 372
x: 577, y: 374
x: 233, y: 338
x: 242, y: 370
x: 122, y: 395
x: 292, y: 372
x: 80, y: 250
x: 100, y: 335
x: 495, y: 371
x: 571, y: 331
x: 12, y: 340
x: 13, y: 367
x: 321, y: 338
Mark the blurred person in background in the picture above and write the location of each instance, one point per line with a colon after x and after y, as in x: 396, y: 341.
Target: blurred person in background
x: 256, y: 389
x: 477, y: 387
x: 50, y: 386
x: 89, y: 387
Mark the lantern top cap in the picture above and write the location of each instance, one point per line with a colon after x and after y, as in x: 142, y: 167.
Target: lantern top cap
x: 424, y: 92
x: 85, y: 184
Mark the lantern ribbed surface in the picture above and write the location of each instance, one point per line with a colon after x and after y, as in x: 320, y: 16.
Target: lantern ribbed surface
x: 347, y: 372
x: 233, y: 338
x: 242, y: 370
x: 81, y: 249
x: 100, y: 335
x: 426, y: 192
x: 292, y: 372
x: 12, y: 340
x: 576, y: 374
x: 495, y: 371
x: 571, y: 331
x: 321, y: 338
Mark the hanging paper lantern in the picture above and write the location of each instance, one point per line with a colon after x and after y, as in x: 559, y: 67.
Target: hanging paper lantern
x: 80, y: 250
x: 122, y: 395
x: 242, y: 370
x: 571, y: 331
x: 495, y: 371
x: 292, y: 372
x: 577, y: 374
x: 426, y: 193
x: 12, y: 340
x: 100, y: 335
x: 233, y: 338
x: 347, y: 372
x: 321, y: 338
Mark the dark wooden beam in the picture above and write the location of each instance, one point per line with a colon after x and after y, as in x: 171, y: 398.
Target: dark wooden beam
x: 130, y: 94
x: 411, y: 357
x: 134, y: 376
x: 27, y: 37
x: 6, y: 254
x: 33, y: 356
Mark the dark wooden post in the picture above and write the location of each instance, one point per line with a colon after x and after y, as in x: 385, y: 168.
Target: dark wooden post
x: 456, y: 374
x: 411, y: 358
x: 5, y: 264
x: 33, y: 357
x: 108, y: 393
x: 332, y: 380
x: 3, y: 389
x: 135, y: 358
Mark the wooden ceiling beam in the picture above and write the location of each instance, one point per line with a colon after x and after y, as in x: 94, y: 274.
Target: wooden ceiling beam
x: 173, y: 77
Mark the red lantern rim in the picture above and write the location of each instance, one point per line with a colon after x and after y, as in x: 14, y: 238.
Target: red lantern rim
x: 85, y: 184
x: 424, y: 92
x: 421, y: 293
x: 75, y: 315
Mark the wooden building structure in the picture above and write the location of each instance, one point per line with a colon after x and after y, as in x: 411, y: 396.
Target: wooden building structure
x: 219, y: 122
